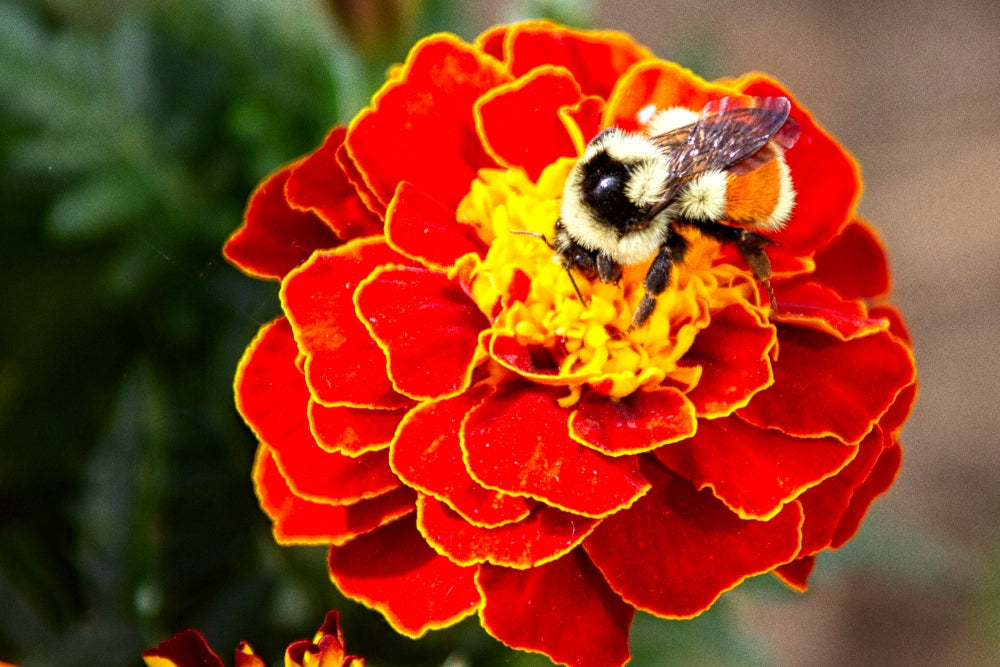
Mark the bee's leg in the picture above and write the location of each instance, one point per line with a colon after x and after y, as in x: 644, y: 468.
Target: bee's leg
x: 751, y: 248
x: 608, y: 270
x: 658, y: 276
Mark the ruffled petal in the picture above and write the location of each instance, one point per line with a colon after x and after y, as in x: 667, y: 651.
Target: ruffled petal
x: 807, y: 304
x: 858, y: 381
x: 878, y: 482
x: 352, y: 431
x: 184, y: 649
x: 344, y: 366
x: 796, y: 574
x: 755, y: 472
x: 517, y: 441
x: 678, y: 549
x: 298, y: 520
x: 393, y: 571
x: 563, y: 609
x: 424, y: 229
x: 427, y: 456
x: 546, y: 534
x: 426, y: 325
x: 636, y: 423
x: 274, y: 237
x: 854, y: 263
x: 423, y: 122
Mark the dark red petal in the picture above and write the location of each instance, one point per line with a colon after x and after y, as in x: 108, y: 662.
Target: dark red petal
x: 533, y: 362
x: 185, y: 649
x: 826, y: 178
x: 517, y: 441
x: 677, y: 549
x: 352, y: 431
x: 271, y: 395
x: 825, y: 386
x: 754, y: 471
x: 596, y: 59
x: 519, y: 121
x: 807, y: 304
x: 344, y: 366
x: 546, y: 534
x: 421, y: 127
x: 878, y: 482
x: 319, y: 184
x: 393, y: 571
x: 423, y: 229
x: 563, y: 609
x: 854, y: 263
x: 633, y: 424
x: 298, y: 520
x: 275, y: 238
x: 733, y: 353
x: 426, y: 325
x: 894, y: 418
x: 796, y: 574
x: 426, y: 454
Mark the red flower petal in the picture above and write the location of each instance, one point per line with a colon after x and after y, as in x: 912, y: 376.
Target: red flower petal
x: 733, y: 353
x: 353, y: 175
x: 184, y: 649
x: 533, y: 362
x: 344, y: 366
x: 596, y: 59
x: 810, y: 305
x: 271, y: 395
x: 519, y: 121
x: 878, y: 482
x: 633, y: 424
x: 319, y: 184
x: 796, y: 574
x: 301, y: 521
x: 427, y: 456
x: 393, y: 571
x: 422, y: 228
x: 427, y: 326
x: 754, y: 471
x: 677, y: 549
x: 563, y: 609
x: 517, y: 441
x: 546, y: 534
x: 826, y: 178
x: 424, y: 121
x: 352, y: 431
x: 857, y: 379
x: 275, y: 238
x: 854, y: 263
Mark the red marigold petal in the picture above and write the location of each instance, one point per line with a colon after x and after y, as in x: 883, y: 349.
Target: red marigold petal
x: 563, y: 609
x: 796, y: 574
x: 519, y: 121
x: 597, y: 59
x: 272, y: 396
x: 825, y: 386
x: 517, y: 441
x: 416, y: 315
x: 424, y: 229
x: 352, y: 431
x: 274, y: 237
x: 854, y: 263
x: 825, y: 503
x: 353, y: 174
x: 583, y: 121
x: 427, y: 456
x: 733, y: 352
x: 827, y: 179
x: 533, y: 362
x: 807, y: 304
x: 421, y: 128
x: 344, y: 366
x: 546, y: 534
x: 878, y: 482
x: 393, y: 571
x: 244, y: 656
x: 755, y: 472
x: 298, y: 520
x: 184, y: 649
x: 678, y: 549
x: 635, y: 423
x: 319, y: 184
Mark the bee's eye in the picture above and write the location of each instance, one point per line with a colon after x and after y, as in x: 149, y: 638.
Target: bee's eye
x: 605, y: 181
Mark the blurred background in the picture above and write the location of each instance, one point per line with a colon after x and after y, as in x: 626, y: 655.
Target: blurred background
x: 132, y: 132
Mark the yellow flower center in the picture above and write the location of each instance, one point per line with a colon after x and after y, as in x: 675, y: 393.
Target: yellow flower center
x: 591, y: 339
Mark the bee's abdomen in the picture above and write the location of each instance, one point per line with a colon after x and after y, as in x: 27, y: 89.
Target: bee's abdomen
x: 762, y: 198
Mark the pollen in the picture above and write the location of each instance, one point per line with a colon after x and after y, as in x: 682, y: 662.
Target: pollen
x: 528, y: 295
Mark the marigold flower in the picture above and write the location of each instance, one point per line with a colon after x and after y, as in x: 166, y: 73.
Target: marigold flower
x: 439, y: 406
x: 189, y: 649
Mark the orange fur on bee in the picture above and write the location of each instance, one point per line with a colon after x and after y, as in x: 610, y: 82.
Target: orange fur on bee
x: 752, y: 197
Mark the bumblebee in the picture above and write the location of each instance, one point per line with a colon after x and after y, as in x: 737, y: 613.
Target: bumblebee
x: 632, y: 194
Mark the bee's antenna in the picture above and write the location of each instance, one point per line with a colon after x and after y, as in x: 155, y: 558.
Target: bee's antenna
x: 569, y: 272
